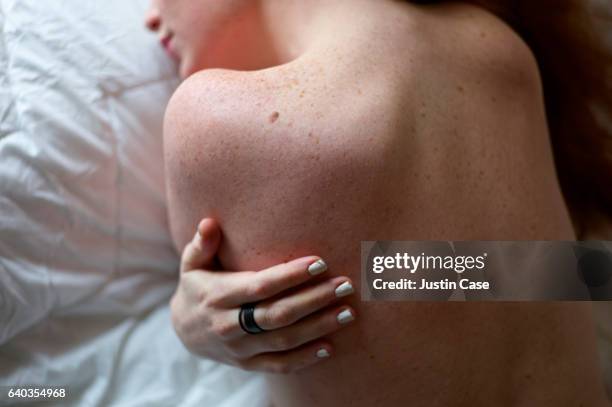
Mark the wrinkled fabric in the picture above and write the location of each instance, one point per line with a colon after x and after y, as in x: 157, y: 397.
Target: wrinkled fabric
x: 86, y: 260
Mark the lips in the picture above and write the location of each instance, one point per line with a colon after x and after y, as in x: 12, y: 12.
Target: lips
x: 167, y: 43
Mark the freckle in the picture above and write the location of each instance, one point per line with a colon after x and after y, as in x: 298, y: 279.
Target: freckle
x: 423, y: 114
x: 493, y: 99
x: 359, y: 92
x: 290, y: 124
x: 311, y: 135
x: 460, y: 89
x: 273, y: 117
x: 482, y: 34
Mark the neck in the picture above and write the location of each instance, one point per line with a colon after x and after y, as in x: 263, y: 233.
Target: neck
x: 290, y: 28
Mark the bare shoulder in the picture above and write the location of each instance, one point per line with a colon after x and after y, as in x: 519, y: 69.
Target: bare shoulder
x: 209, y: 111
x: 207, y: 98
x: 216, y: 101
x: 198, y: 116
x: 229, y: 128
x: 470, y: 42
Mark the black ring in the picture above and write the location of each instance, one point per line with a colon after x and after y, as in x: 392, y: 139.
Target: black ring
x: 246, y: 318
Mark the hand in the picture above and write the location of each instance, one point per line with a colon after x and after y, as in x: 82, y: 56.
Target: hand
x: 206, y: 305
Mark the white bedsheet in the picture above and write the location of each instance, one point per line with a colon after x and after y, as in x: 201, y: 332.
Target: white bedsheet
x: 86, y: 262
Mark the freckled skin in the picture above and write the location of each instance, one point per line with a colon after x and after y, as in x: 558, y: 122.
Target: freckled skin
x: 390, y: 143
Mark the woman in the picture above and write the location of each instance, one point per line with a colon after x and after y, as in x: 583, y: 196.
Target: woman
x: 336, y: 122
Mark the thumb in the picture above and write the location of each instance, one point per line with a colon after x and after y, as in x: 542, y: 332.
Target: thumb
x: 201, y: 250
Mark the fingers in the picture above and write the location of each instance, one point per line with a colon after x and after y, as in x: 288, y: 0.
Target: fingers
x: 279, y: 313
x: 289, y: 361
x: 201, y: 250
x: 311, y: 328
x: 274, y: 314
x: 256, y: 286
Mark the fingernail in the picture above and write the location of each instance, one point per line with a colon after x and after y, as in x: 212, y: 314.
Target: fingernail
x: 317, y: 267
x: 345, y: 316
x: 322, y: 353
x: 344, y: 289
x: 198, y: 238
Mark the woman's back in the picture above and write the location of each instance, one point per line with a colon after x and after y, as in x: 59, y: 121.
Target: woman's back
x: 403, y: 129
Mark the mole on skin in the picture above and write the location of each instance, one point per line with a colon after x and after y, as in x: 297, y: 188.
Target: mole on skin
x: 273, y: 117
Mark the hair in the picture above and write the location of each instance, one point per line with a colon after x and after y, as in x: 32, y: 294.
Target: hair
x: 568, y: 39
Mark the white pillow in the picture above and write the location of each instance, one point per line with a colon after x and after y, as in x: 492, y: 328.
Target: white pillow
x: 83, y: 226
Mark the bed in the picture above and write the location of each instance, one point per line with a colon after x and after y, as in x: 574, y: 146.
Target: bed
x: 86, y: 261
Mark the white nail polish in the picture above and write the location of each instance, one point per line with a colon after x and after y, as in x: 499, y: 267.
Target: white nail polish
x: 344, y: 289
x: 322, y: 353
x: 317, y: 267
x: 197, y: 240
x: 345, y: 316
